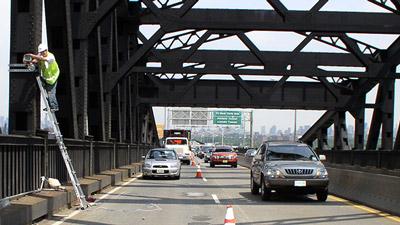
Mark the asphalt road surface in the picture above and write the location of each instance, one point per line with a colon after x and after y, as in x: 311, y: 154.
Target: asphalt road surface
x: 196, y: 201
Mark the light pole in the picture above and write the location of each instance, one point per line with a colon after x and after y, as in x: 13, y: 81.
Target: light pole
x: 295, y: 125
x: 222, y: 135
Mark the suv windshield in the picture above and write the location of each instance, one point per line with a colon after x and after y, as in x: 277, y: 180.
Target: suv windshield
x: 223, y: 150
x: 162, y: 154
x: 289, y: 152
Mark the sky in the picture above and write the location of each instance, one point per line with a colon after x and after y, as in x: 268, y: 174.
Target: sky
x: 4, y: 55
x: 273, y: 41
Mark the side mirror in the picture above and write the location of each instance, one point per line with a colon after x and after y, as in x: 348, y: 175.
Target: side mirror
x: 258, y: 157
x: 322, y: 157
x: 143, y: 157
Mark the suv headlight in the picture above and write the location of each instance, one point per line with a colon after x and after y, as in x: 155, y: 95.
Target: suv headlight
x: 274, y: 173
x: 321, y: 173
x: 147, y: 165
x: 174, y: 165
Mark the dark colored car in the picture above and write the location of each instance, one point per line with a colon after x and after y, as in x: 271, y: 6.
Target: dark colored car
x: 223, y: 155
x: 206, y: 152
x: 288, y: 167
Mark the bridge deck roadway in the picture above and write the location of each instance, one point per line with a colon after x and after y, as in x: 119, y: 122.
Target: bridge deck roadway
x: 196, y: 201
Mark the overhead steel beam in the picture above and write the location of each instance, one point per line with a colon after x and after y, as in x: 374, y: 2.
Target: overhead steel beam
x: 325, y: 121
x: 279, y: 7
x: 296, y: 21
x: 91, y: 20
x: 229, y: 93
x: 246, y: 57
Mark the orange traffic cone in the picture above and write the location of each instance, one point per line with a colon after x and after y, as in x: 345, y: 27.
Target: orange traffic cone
x: 198, y: 173
x: 229, y: 217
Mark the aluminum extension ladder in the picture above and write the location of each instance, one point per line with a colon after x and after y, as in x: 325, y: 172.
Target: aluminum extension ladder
x: 63, y: 149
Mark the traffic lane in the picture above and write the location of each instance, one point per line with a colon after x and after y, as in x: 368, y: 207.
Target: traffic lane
x: 156, y: 201
x: 282, y: 209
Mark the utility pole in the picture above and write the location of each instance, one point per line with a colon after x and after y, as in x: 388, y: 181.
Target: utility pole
x: 251, y: 129
x: 295, y: 125
x: 222, y: 135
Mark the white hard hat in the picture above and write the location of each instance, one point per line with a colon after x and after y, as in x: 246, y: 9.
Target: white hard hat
x: 42, y: 47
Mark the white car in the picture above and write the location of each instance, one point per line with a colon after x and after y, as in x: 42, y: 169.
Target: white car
x: 161, y: 162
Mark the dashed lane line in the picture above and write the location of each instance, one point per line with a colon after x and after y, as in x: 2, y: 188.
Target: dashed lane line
x: 216, y: 200
x: 74, y: 213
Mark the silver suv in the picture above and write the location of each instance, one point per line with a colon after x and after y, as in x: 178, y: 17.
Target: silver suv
x: 288, y: 167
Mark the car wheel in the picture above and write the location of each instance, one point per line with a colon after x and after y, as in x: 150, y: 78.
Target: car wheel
x: 265, y: 192
x: 322, y: 195
x: 178, y: 177
x: 212, y: 165
x: 254, y: 187
x: 234, y: 165
x: 145, y: 177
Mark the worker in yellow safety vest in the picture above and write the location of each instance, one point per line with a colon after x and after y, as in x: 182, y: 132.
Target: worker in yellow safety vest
x: 50, y: 72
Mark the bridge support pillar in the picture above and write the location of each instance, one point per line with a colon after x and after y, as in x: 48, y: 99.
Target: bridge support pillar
x: 359, y: 121
x: 323, y: 139
x: 341, y: 141
x: 387, y: 108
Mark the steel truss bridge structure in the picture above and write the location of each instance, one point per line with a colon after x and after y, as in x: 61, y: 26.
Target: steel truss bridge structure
x: 108, y: 85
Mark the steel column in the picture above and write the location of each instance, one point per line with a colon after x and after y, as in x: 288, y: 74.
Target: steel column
x: 341, y: 141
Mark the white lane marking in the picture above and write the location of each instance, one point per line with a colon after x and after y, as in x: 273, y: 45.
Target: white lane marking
x: 204, y: 179
x: 216, y: 200
x: 74, y: 213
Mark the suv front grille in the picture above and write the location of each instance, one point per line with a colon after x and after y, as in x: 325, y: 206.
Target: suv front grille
x: 160, y: 166
x: 299, y: 171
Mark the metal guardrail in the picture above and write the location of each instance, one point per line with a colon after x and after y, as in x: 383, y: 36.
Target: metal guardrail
x: 23, y: 160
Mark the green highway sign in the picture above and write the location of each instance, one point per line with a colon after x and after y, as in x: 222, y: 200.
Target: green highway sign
x: 227, y: 117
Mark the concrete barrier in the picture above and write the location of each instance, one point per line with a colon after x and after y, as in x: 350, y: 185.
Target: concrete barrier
x: 15, y: 215
x: 124, y: 173
x: 35, y: 207
x: 89, y: 186
x: 366, y: 188
x: 56, y: 200
x: 27, y: 209
x: 130, y: 169
x: 104, y: 180
x: 116, y: 177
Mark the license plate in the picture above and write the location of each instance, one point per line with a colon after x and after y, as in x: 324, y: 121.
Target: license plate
x: 224, y: 161
x: 300, y: 183
x: 160, y: 171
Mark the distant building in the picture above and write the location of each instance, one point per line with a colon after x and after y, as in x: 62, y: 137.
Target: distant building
x: 272, y: 131
x: 263, y: 130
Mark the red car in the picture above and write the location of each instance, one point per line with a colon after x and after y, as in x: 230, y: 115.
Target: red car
x: 223, y: 155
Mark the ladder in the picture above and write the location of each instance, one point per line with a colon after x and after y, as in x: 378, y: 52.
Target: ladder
x: 63, y: 149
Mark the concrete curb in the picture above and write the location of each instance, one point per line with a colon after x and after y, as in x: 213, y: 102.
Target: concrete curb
x: 27, y: 209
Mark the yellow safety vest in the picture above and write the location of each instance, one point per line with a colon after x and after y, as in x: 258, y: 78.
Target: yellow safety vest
x: 51, y: 72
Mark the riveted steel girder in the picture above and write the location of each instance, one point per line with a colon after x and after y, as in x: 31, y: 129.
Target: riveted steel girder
x: 245, y: 94
x: 330, y: 22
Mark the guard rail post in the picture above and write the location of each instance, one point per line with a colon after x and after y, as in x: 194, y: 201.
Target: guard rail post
x: 45, y: 152
x: 113, y: 153
x: 91, y: 154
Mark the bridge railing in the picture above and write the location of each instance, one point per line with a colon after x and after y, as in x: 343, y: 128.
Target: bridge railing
x: 364, y: 158
x: 23, y: 160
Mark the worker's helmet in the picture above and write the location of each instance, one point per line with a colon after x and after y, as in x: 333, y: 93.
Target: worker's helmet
x: 42, y: 47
